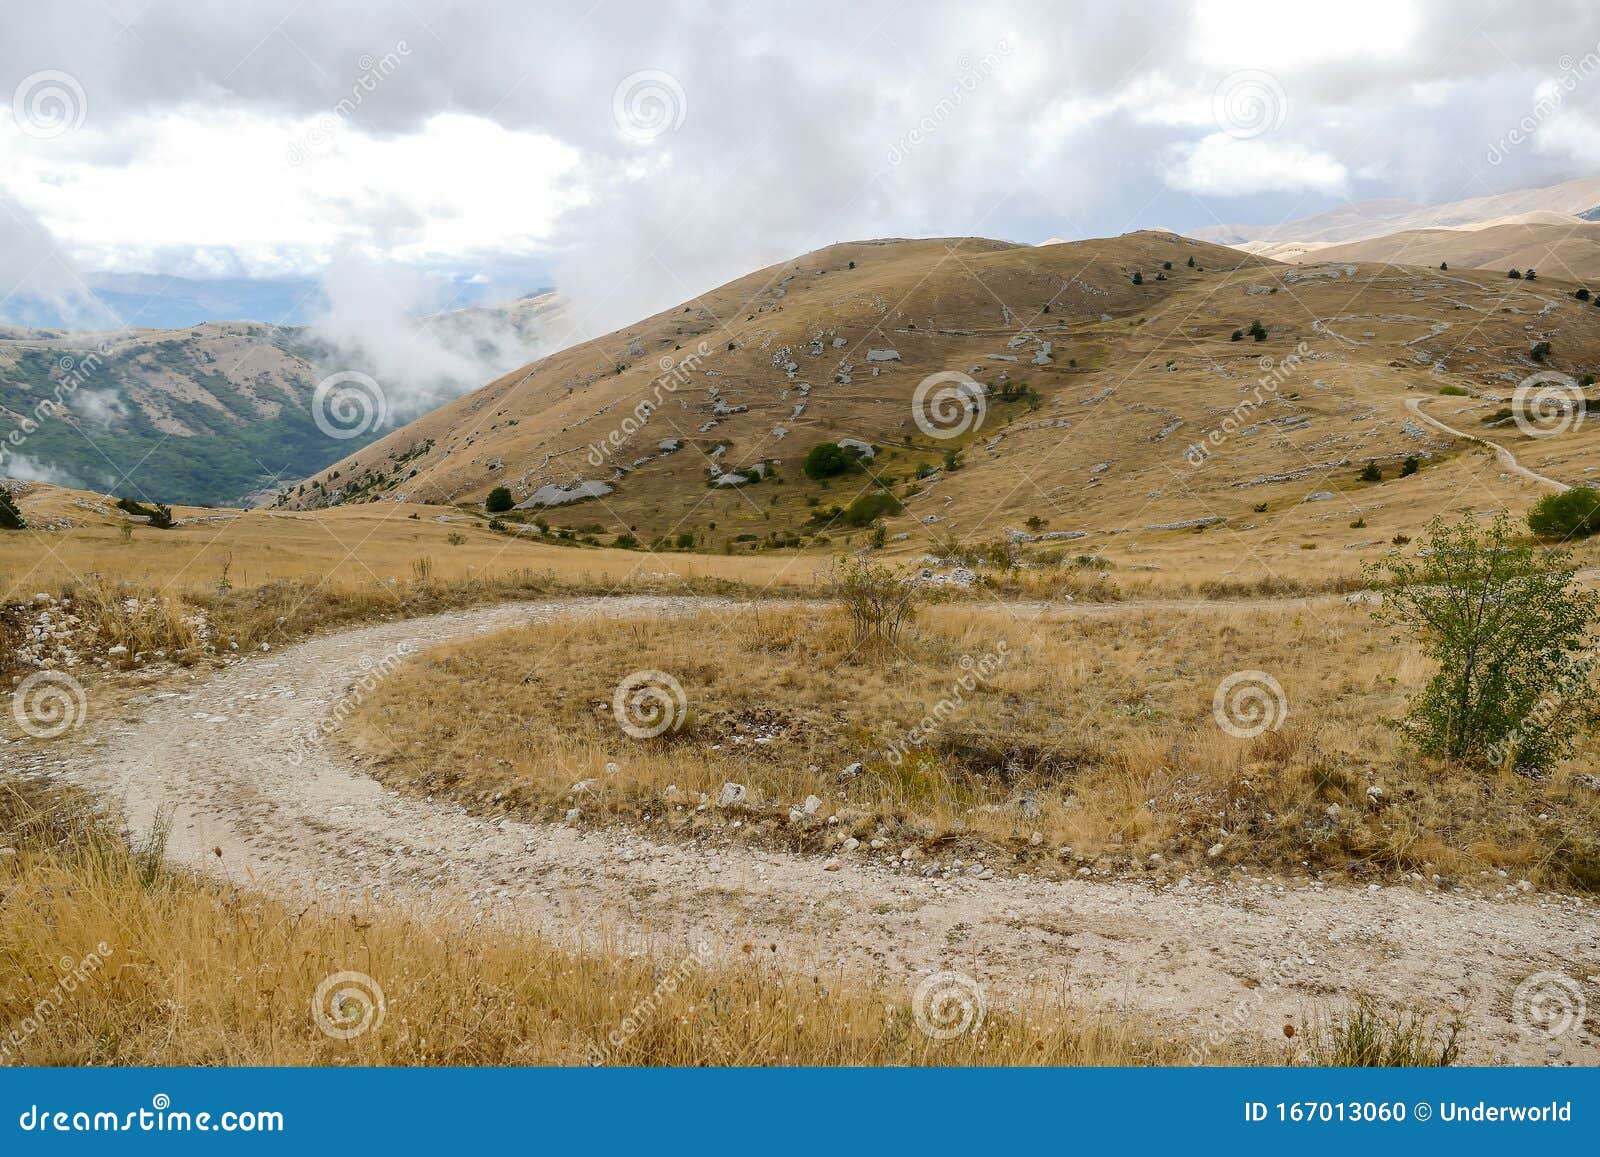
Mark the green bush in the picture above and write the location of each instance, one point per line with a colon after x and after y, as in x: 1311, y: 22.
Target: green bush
x: 10, y: 517
x: 1454, y: 392
x: 1508, y: 630
x: 1410, y: 466
x: 1573, y: 513
x: 827, y: 460
x: 1371, y: 472
x: 870, y: 507
x: 499, y: 501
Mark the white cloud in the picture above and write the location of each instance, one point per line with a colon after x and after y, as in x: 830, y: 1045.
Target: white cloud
x: 1220, y: 165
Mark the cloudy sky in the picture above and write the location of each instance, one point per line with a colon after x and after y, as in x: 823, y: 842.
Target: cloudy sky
x: 634, y: 153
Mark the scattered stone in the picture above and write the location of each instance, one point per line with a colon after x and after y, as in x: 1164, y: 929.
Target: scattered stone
x: 732, y: 794
x: 853, y: 771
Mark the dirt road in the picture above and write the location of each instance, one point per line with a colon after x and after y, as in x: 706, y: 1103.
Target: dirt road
x: 226, y: 756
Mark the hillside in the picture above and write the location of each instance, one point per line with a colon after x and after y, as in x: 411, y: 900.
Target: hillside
x: 1568, y: 250
x: 1127, y: 417
x: 212, y: 414
x: 1358, y: 220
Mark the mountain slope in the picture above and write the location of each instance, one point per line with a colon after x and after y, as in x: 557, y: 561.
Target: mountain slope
x: 1358, y: 220
x: 1565, y: 250
x: 1143, y: 421
x: 212, y: 414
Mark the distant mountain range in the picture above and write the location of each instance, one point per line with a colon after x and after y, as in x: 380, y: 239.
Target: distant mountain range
x: 221, y: 412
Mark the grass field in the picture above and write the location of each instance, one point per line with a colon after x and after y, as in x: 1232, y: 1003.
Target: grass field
x: 990, y: 732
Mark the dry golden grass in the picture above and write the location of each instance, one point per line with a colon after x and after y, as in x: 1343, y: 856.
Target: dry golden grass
x: 1095, y: 732
x: 106, y: 958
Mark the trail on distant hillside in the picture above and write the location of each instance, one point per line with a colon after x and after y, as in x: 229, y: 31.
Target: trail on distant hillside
x: 228, y: 759
x: 1507, y: 458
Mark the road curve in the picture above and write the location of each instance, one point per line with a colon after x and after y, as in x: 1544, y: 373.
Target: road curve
x: 1507, y: 458
x: 223, y: 758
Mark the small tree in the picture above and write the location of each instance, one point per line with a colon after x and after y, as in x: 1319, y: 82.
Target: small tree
x: 1508, y: 630
x: 878, y: 603
x: 1444, y: 265
x: 1581, y: 294
x: 1531, y: 275
x: 161, y: 516
x: 1258, y: 331
x: 1410, y: 466
x: 1191, y: 263
x: 10, y: 517
x: 1138, y: 279
x: 1371, y: 472
x: 826, y: 460
x: 1515, y: 275
x: 499, y: 500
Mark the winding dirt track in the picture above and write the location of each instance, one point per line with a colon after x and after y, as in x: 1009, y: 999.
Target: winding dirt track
x: 1507, y: 458
x: 222, y: 757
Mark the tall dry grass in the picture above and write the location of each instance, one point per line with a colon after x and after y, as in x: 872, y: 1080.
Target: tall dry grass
x: 107, y: 958
x: 987, y: 729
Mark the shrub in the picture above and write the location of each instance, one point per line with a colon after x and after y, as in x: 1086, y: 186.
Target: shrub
x: 1581, y: 294
x: 1035, y: 523
x: 1573, y: 513
x: 1444, y: 265
x: 952, y: 461
x: 456, y: 538
x: 626, y: 542
x: 868, y: 508
x: 10, y: 517
x: 499, y: 500
x: 1191, y: 263
x: 826, y: 460
x: 1366, y: 1036
x: 1237, y: 335
x: 685, y: 540
x: 1454, y: 392
x: 1410, y: 466
x: 1515, y: 275
x: 1371, y: 472
x: 1540, y: 351
x: 1258, y: 331
x: 1507, y: 628
x: 1138, y: 279
x: 878, y: 603
x: 1531, y: 275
